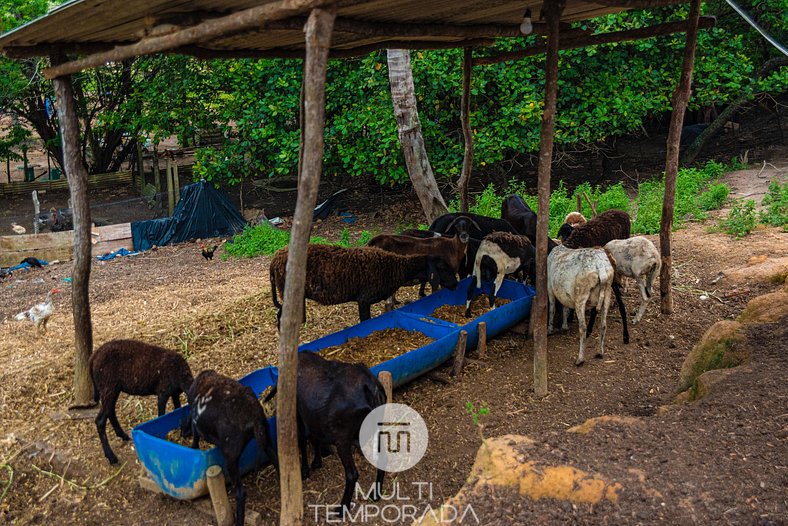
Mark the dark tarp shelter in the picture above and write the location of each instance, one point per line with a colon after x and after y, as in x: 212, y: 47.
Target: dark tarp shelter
x: 203, y: 211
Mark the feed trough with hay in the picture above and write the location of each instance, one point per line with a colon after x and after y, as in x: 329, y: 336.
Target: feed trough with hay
x: 407, y: 342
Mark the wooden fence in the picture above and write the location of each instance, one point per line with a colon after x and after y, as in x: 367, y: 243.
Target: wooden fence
x: 60, y: 245
x: 95, y: 181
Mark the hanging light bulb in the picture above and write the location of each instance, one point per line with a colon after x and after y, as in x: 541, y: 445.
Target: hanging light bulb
x: 526, y: 27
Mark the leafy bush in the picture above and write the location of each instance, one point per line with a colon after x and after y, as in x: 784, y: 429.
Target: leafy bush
x: 265, y: 240
x: 741, y: 220
x: 714, y: 197
x: 775, y: 205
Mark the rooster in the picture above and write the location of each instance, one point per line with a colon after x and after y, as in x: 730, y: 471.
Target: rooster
x: 207, y: 253
x: 40, y: 314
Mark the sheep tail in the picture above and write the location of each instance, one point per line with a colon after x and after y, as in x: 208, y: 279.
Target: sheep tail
x: 273, y: 290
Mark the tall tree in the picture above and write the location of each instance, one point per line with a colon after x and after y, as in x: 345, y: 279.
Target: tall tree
x: 403, y: 94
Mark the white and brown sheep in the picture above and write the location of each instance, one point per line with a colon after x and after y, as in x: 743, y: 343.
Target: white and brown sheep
x: 639, y: 259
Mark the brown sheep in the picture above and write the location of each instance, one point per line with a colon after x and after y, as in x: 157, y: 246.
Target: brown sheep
x: 599, y: 231
x: 365, y: 275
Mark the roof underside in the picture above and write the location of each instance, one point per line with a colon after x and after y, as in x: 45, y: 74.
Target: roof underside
x: 108, y: 23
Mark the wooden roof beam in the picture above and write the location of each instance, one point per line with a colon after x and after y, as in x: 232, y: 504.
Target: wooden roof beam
x: 206, y: 31
x: 637, y: 4
x: 668, y: 28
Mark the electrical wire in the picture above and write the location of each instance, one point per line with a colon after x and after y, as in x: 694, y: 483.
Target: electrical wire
x: 773, y: 41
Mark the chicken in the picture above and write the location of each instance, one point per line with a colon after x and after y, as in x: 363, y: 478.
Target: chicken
x: 40, y: 314
x: 17, y: 228
x: 207, y: 253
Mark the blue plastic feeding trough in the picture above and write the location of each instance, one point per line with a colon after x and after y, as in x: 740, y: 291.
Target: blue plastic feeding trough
x: 179, y: 471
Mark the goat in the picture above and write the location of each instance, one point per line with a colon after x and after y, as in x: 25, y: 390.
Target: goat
x: 581, y: 277
x: 599, y: 231
x: 333, y: 399
x: 499, y: 254
x: 471, y: 228
x: 364, y: 275
x: 639, y: 259
x: 450, y: 248
x: 517, y: 212
x: 135, y: 368
x: 228, y: 415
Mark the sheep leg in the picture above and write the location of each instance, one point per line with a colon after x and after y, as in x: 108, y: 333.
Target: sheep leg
x: 107, y: 403
x: 644, y: 298
x: 377, y: 493
x: 591, y: 320
x: 550, y: 310
x: 603, y: 321
x: 161, y: 403
x: 317, y: 458
x: 302, y: 447
x: 345, y: 452
x: 580, y: 311
x: 422, y: 289
x: 231, y: 460
x: 497, y: 288
x: 364, y: 311
x: 176, y: 401
x: 469, y: 298
x: 565, y: 319
x: 621, y: 308
x: 113, y: 419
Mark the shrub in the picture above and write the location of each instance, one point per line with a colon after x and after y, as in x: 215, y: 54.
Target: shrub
x: 775, y: 205
x: 714, y: 197
x: 741, y: 220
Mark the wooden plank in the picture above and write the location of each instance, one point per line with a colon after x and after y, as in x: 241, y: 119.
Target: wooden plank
x: 113, y: 232
x: 36, y: 241
x: 9, y: 259
x: 99, y: 249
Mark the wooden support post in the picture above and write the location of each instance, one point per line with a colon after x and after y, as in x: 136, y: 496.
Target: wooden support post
x: 36, y: 211
x: 218, y: 491
x: 552, y: 13
x: 80, y: 277
x: 467, y: 133
x: 140, y: 183
x: 459, y: 354
x: 680, y: 99
x: 170, y: 191
x: 318, y: 29
x: 579, y: 203
x: 156, y: 174
x: 388, y: 385
x: 176, y: 180
x: 482, y: 345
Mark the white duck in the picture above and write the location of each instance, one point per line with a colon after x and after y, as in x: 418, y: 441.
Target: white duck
x: 18, y: 228
x: 39, y: 314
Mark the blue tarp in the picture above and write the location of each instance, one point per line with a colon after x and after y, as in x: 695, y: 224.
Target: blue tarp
x: 202, y: 212
x: 117, y: 253
x: 26, y: 265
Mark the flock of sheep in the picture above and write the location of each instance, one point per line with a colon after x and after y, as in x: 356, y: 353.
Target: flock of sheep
x: 333, y: 397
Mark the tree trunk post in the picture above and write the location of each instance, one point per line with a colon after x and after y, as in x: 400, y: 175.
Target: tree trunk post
x: 176, y: 181
x: 388, y: 385
x: 156, y: 174
x: 140, y: 166
x: 552, y: 14
x: 467, y: 133
x: 318, y: 31
x: 216, y: 489
x: 680, y: 99
x: 403, y: 94
x: 36, y: 211
x: 80, y: 278
x: 170, y: 190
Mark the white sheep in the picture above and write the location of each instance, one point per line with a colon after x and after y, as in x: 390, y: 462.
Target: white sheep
x: 639, y: 259
x: 577, y: 278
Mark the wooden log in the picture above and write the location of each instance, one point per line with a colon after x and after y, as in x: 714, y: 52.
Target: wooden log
x: 170, y: 190
x: 216, y: 488
x: 140, y: 167
x: 176, y: 183
x: 467, y: 133
x: 156, y: 174
x: 552, y: 13
x: 251, y: 18
x: 482, y: 345
x: 36, y: 211
x: 80, y: 282
x: 667, y: 28
x: 388, y: 385
x: 318, y: 31
x: 459, y: 354
x: 680, y: 100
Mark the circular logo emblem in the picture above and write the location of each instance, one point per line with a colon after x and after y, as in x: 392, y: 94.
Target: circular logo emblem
x: 393, y: 437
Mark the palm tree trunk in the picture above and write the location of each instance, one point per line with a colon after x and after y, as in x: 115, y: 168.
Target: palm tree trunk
x: 403, y: 94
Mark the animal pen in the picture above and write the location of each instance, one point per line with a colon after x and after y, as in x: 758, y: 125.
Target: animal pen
x: 315, y: 31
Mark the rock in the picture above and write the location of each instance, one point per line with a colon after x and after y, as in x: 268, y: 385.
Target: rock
x: 722, y: 346
x: 768, y: 308
x: 760, y: 269
x: 591, y: 423
x: 705, y: 383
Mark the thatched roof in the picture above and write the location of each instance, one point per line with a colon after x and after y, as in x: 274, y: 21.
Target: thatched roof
x: 87, y: 26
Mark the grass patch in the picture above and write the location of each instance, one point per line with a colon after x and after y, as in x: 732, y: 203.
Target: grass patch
x: 741, y: 220
x: 266, y: 239
x: 775, y: 205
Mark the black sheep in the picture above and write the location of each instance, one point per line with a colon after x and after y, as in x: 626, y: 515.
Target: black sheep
x: 599, y: 231
x: 333, y: 400
x: 228, y: 415
x: 135, y: 368
x: 364, y: 275
x: 517, y: 212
